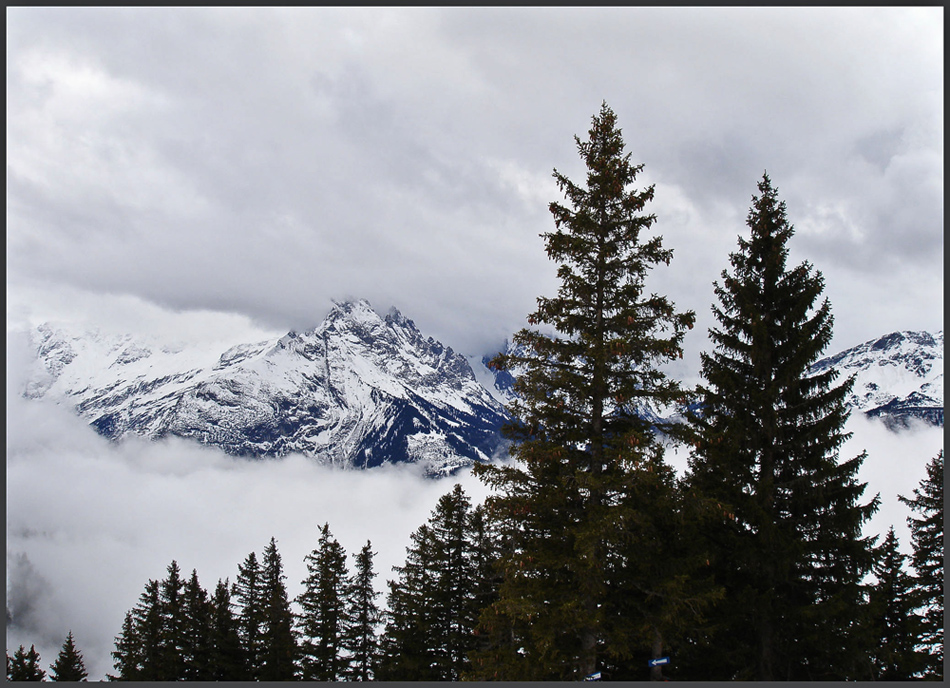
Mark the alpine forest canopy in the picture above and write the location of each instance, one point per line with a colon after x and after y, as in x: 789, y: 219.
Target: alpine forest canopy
x: 589, y: 473
x: 591, y: 558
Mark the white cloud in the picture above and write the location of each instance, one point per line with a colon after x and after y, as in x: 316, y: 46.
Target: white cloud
x: 90, y: 521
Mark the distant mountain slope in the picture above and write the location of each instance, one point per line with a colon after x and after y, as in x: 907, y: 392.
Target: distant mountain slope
x: 359, y: 390
x: 898, y: 377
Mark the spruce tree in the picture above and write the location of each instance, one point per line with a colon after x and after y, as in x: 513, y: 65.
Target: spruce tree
x: 359, y: 637
x: 127, y: 654
x: 25, y: 666
x: 895, y: 629
x: 927, y: 538
x: 196, y: 642
x: 323, y: 605
x: 171, y: 664
x: 433, y: 608
x: 279, y: 646
x: 140, y: 648
x: 787, y: 547
x: 581, y: 441
x: 227, y: 660
x: 408, y: 651
x: 453, y: 614
x: 69, y: 665
x: 248, y: 591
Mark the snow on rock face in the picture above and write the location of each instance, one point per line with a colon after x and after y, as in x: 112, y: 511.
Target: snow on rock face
x: 898, y: 377
x: 358, y: 390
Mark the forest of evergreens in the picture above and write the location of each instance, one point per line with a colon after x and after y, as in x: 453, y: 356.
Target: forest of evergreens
x: 591, y: 558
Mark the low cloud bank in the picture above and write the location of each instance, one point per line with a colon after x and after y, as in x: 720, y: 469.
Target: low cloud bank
x: 89, y: 521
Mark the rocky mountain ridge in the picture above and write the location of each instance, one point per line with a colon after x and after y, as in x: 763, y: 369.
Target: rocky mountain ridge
x: 898, y: 377
x: 362, y: 390
x: 359, y: 390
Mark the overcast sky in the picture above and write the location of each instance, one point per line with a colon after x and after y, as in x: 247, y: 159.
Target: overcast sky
x: 227, y: 172
x: 262, y: 162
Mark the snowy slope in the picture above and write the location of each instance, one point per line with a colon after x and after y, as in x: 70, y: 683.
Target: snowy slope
x: 898, y: 377
x: 358, y: 390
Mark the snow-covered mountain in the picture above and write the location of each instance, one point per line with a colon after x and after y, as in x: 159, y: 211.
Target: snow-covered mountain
x: 898, y: 377
x: 359, y: 390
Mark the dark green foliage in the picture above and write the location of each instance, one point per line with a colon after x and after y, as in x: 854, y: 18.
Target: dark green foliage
x: 279, y: 646
x: 139, y: 648
x: 895, y: 627
x: 248, y: 591
x: 69, y: 665
x: 227, y: 660
x: 195, y: 631
x: 359, y: 637
x: 171, y: 660
x: 25, y: 666
x: 165, y: 637
x: 582, y: 446
x: 787, y: 546
x: 125, y: 657
x: 659, y: 578
x: 927, y: 537
x: 323, y: 605
x: 433, y: 605
x: 408, y: 645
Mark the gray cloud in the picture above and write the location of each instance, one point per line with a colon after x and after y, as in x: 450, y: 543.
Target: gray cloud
x: 264, y: 161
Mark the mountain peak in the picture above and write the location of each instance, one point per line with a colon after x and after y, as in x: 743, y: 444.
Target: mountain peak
x: 898, y: 376
x: 358, y: 390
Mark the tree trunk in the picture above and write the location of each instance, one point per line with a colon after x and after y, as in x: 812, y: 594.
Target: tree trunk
x: 656, y: 672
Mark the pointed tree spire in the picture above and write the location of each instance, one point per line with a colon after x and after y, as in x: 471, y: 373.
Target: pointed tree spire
x: 323, y: 604
x: 25, y: 666
x: 928, y: 560
x: 69, y: 664
x: 581, y: 434
x: 788, y: 547
x: 359, y: 638
x: 895, y: 628
x: 279, y: 647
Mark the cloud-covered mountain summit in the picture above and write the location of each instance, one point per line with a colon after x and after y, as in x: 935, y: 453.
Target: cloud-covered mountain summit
x: 359, y: 390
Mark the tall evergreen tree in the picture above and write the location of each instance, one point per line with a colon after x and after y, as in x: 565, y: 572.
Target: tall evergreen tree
x: 895, y: 628
x: 323, y: 605
x: 581, y: 442
x: 433, y: 603
x: 171, y: 665
x: 927, y: 538
x: 408, y: 645
x: 69, y: 665
x: 249, y: 592
x: 359, y: 638
x: 196, y: 625
x: 788, y: 548
x: 227, y: 659
x: 25, y: 666
x: 279, y: 656
x: 140, y: 647
x: 453, y: 613
x: 126, y: 656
